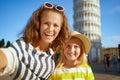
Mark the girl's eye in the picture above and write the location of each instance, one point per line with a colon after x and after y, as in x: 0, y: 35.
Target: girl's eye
x: 67, y: 46
x: 76, y: 46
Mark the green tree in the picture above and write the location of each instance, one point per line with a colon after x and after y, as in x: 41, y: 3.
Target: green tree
x: 2, y: 43
x: 8, y: 44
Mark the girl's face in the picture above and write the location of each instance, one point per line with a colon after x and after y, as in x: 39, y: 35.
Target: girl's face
x: 50, y: 27
x: 72, y: 49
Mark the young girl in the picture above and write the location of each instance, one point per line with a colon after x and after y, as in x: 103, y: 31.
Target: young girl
x: 72, y: 64
x: 30, y: 57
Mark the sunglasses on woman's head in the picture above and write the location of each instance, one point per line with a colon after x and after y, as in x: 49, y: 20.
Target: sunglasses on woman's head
x: 50, y: 6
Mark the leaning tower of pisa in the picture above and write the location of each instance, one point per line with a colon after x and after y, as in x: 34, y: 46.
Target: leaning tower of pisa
x: 87, y: 22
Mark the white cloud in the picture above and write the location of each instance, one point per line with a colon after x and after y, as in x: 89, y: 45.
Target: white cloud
x: 115, y: 9
x: 115, y: 38
x: 113, y: 41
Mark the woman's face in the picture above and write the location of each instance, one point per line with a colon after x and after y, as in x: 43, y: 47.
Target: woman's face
x: 50, y: 27
x: 72, y: 49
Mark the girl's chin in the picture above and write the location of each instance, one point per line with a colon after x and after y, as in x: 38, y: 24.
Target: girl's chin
x: 71, y: 59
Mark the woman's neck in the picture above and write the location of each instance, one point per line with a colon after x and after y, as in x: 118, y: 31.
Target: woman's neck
x: 43, y: 46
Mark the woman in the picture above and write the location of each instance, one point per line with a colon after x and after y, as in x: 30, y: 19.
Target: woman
x: 30, y: 57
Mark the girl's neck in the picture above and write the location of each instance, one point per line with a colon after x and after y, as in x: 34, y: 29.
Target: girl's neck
x: 70, y: 64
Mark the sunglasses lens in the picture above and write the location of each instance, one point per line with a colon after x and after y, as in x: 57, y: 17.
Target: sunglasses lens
x: 48, y: 5
x: 59, y: 8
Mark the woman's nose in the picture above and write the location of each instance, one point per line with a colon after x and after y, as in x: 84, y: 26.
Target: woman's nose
x: 51, y: 27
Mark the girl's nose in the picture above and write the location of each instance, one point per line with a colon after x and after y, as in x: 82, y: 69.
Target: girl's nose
x: 72, y: 49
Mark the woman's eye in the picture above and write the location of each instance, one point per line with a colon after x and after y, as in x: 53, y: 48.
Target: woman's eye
x: 56, y: 25
x: 46, y: 23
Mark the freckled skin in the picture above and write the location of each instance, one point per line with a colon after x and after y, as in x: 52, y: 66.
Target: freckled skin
x: 50, y: 26
x: 72, y: 49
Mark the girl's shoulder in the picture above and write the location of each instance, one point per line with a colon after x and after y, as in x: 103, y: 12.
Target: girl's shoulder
x: 84, y: 66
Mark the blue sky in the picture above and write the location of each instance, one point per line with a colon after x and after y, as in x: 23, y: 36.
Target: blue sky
x: 14, y: 15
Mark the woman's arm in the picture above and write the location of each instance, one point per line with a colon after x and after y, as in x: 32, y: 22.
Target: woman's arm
x: 3, y: 61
